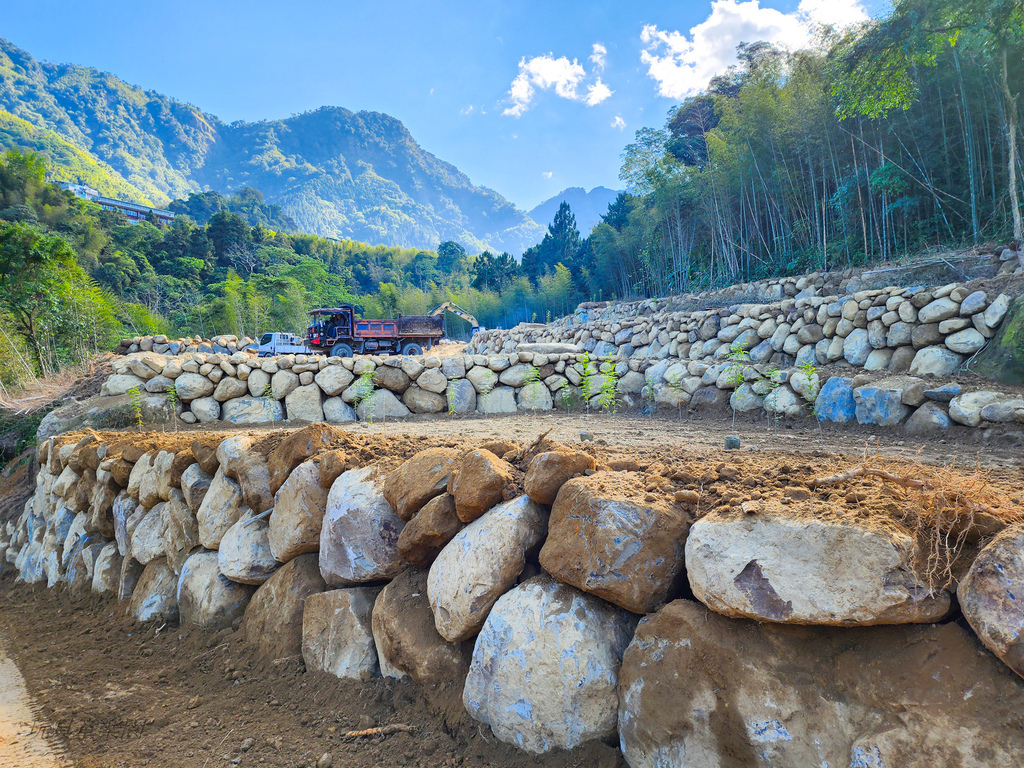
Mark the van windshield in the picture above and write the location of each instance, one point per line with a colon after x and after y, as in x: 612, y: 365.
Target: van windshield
x: 265, y: 338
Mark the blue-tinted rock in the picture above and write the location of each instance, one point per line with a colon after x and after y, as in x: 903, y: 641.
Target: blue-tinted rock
x: 945, y: 393
x: 835, y: 401
x: 881, y: 403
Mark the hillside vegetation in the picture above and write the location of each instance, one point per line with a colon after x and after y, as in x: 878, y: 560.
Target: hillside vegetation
x: 337, y: 173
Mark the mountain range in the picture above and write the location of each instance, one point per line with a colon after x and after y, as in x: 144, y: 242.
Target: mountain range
x: 587, y: 207
x: 337, y: 173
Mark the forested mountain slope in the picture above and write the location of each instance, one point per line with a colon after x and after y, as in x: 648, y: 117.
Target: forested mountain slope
x: 588, y: 207
x: 335, y: 172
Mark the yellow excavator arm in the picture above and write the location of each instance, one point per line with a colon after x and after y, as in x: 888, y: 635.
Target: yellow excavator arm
x: 456, y: 310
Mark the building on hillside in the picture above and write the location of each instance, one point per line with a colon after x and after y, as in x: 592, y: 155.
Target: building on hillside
x: 134, y: 212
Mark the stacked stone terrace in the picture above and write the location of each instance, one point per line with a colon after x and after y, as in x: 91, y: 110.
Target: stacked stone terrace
x: 555, y: 610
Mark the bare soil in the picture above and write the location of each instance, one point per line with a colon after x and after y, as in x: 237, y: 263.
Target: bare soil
x: 116, y: 693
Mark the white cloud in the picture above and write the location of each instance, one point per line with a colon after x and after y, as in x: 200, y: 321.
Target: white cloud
x: 597, y: 93
x: 564, y: 77
x: 682, y: 65
x: 467, y: 110
x: 548, y: 174
x: 619, y: 123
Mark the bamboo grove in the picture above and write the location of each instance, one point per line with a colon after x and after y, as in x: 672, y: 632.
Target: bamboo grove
x: 899, y: 138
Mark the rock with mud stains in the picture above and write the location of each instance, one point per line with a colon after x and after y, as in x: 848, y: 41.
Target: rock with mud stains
x: 208, y: 598
x: 205, y: 451
x: 405, y: 637
x: 605, y: 537
x: 298, y: 515
x: 181, y: 530
x: 273, y: 620
x: 549, y: 471
x: 808, y: 571
x: 478, y: 486
x: 155, y: 597
x: 244, y: 551
x: 481, y: 564
x: 423, y: 537
x: 992, y: 596
x: 106, y: 570
x: 221, y: 508
x: 101, y: 502
x: 545, y: 667
x: 337, y: 633
x: 359, y: 536
x: 297, y: 448
x: 419, y: 479
x: 699, y: 689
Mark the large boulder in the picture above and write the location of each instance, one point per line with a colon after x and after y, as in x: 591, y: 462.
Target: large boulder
x: 696, y: 688
x: 244, y: 553
x: 835, y: 401
x: 337, y: 633
x: 181, y: 530
x: 545, y: 667
x: 935, y: 361
x: 405, y: 637
x: 461, y: 396
x: 420, y: 400
x: 606, y: 538
x: 295, y: 449
x: 381, y: 404
x: 809, y: 571
x: 881, y: 402
x: 299, y: 508
x: 273, y: 620
x: 190, y: 386
x: 498, y: 400
x: 206, y: 597
x: 481, y: 564
x: 304, y: 404
x: 148, y: 536
x: 479, y: 483
x: 423, y: 537
x: 359, y: 535
x: 249, y: 468
x: 419, y: 479
x: 1003, y: 358
x: 195, y: 482
x: 155, y: 596
x: 127, y: 514
x: 334, y: 379
x: 549, y: 471
x: 252, y: 410
x: 992, y: 593
x: 106, y: 570
x: 966, y: 409
x: 535, y: 396
x: 220, y: 509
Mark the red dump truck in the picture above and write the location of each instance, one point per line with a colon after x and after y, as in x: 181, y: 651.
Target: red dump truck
x: 338, y: 332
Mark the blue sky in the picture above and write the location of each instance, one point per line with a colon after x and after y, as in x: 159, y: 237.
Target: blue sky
x: 525, y: 97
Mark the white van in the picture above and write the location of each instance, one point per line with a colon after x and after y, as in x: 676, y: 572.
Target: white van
x: 282, y: 344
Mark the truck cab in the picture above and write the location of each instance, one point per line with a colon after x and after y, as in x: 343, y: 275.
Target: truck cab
x: 282, y: 344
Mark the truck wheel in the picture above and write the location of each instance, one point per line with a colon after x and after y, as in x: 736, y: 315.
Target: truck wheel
x: 412, y: 348
x: 341, y: 350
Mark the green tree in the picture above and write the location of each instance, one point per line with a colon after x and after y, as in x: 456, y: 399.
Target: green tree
x: 33, y: 267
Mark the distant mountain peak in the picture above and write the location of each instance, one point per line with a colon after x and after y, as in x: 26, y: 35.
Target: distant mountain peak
x: 355, y: 175
x: 587, y: 207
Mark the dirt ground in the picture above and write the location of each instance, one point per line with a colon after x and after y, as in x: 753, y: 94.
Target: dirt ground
x: 111, y: 692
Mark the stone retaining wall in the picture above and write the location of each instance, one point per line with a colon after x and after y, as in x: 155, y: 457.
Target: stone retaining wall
x: 896, y: 329
x: 163, y: 345
x: 429, y: 572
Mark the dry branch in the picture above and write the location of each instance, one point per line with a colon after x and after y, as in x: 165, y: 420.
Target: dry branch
x: 863, y: 471
x: 383, y: 730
